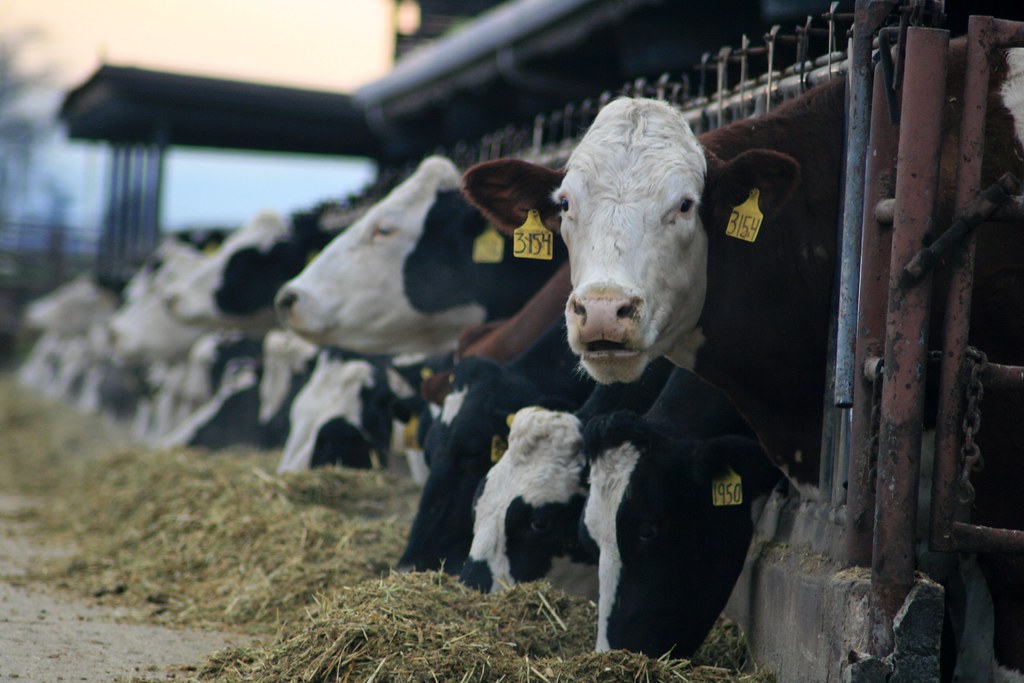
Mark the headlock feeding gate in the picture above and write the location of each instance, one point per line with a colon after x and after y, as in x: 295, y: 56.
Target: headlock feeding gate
x: 810, y: 606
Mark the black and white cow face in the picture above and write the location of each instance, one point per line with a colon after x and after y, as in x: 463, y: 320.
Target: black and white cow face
x: 394, y: 282
x: 344, y: 414
x: 669, y: 554
x: 527, y: 514
x: 235, y: 286
x: 142, y: 329
x: 460, y: 446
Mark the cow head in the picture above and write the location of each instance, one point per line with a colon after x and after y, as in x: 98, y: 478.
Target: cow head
x: 634, y: 205
x: 460, y: 446
x: 235, y: 285
x: 527, y: 513
x: 668, y: 556
x: 394, y: 282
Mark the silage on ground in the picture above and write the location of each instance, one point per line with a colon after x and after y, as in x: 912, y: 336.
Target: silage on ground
x: 427, y: 626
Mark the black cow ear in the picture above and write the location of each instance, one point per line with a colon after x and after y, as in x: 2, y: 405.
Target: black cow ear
x: 774, y: 175
x: 712, y: 458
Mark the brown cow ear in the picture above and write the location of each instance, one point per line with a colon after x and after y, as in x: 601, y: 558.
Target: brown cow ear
x: 774, y: 174
x: 506, y: 189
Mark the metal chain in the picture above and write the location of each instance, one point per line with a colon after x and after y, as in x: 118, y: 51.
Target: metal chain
x: 970, y: 454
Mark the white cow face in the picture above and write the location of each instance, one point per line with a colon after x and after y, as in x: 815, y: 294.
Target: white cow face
x: 352, y: 295
x: 142, y: 329
x: 70, y: 309
x: 637, y: 248
x: 527, y: 513
x: 191, y: 299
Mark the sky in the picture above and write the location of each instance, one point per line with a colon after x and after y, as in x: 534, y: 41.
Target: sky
x: 332, y: 45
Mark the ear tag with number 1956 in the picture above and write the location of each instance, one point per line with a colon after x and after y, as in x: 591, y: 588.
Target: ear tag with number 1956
x: 533, y: 240
x: 727, y: 489
x: 745, y: 219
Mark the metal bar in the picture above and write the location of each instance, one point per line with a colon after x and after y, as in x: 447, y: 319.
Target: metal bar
x: 859, y: 76
x: 877, y: 241
x: 948, y: 438
x: 1000, y: 376
x: 906, y: 344
x: 971, y: 217
x: 975, y: 538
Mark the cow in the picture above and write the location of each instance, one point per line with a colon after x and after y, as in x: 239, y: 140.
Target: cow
x: 409, y: 274
x: 462, y: 443
x: 644, y: 208
x: 235, y: 284
x: 671, y: 508
x: 288, y: 362
x: 344, y: 415
x: 527, y: 509
x: 504, y: 340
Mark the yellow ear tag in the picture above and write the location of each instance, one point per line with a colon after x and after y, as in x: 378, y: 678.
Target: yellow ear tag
x: 210, y: 249
x: 533, y: 240
x: 409, y: 432
x: 426, y: 373
x: 727, y: 489
x: 745, y: 219
x: 508, y: 420
x: 489, y: 246
x: 498, y: 448
x: 312, y: 255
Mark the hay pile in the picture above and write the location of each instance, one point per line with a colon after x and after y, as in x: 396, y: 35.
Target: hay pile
x: 424, y: 627
x: 218, y: 540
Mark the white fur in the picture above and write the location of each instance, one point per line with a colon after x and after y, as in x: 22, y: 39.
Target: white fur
x: 352, y: 294
x: 542, y: 465
x: 625, y: 183
x: 1013, y: 90
x: 71, y: 308
x: 332, y: 391
x: 452, y: 405
x: 191, y: 298
x: 238, y: 376
x: 609, y: 478
x: 284, y: 354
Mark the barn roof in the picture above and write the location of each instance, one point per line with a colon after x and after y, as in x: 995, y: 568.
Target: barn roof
x: 131, y: 105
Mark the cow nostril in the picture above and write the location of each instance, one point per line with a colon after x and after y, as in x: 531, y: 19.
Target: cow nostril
x: 286, y: 299
x: 578, y: 308
x: 626, y: 311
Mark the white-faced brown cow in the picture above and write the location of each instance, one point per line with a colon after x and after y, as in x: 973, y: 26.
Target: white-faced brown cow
x: 644, y: 205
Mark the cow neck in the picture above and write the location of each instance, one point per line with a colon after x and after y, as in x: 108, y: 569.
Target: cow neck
x: 551, y: 366
x: 636, y: 396
x: 767, y: 354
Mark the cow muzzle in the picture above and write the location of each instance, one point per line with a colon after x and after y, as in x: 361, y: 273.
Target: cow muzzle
x: 604, y: 324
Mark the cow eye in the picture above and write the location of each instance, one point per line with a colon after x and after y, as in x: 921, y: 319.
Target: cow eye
x: 383, y: 230
x: 686, y: 205
x: 647, y: 532
x: 564, y: 203
x: 540, y: 525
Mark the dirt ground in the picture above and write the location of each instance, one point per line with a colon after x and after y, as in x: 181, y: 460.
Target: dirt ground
x: 46, y: 635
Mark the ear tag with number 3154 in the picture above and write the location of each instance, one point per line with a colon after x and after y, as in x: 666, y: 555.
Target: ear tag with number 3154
x: 533, y: 240
x: 745, y: 219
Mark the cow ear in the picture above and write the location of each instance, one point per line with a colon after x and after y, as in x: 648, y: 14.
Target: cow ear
x: 775, y: 175
x: 505, y: 190
x: 713, y: 457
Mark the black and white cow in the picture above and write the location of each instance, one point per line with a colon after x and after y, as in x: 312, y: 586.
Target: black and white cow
x: 527, y: 510
x: 344, y: 415
x: 471, y: 433
x: 403, y: 278
x: 288, y: 362
x: 671, y: 508
x: 235, y: 285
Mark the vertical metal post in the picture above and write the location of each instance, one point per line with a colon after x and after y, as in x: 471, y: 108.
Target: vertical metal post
x: 859, y: 76
x: 958, y: 302
x: 874, y: 280
x: 906, y: 344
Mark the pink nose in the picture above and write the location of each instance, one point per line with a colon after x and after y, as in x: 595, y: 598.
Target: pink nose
x: 603, y: 318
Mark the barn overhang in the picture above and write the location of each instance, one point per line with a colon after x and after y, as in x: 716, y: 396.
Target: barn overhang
x: 128, y: 105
